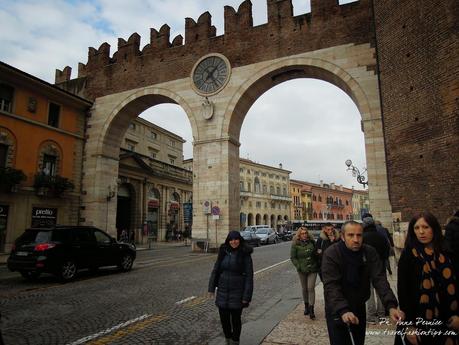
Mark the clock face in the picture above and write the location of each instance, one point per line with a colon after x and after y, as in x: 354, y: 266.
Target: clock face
x: 210, y: 74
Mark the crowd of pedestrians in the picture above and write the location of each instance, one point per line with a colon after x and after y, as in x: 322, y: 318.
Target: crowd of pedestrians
x: 353, y: 264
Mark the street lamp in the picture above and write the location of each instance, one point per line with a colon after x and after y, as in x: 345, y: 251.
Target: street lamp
x: 356, y: 173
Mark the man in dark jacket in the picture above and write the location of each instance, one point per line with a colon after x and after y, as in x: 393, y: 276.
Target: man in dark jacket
x: 452, y: 240
x: 347, y: 269
x: 379, y: 241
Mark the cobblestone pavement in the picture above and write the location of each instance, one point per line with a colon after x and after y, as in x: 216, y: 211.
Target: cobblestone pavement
x: 162, y: 300
x: 299, y: 329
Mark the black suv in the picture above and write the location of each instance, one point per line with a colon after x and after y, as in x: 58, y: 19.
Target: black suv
x: 62, y: 250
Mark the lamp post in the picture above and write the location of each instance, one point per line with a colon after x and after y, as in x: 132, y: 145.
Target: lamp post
x: 356, y: 173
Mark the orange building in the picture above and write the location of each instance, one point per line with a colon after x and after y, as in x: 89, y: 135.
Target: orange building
x: 41, y: 147
x: 331, y: 202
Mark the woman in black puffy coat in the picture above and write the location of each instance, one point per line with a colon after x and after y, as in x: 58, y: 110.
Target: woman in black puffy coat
x: 232, y: 276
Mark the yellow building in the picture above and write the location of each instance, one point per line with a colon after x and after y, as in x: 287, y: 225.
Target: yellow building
x: 297, y: 203
x: 42, y: 134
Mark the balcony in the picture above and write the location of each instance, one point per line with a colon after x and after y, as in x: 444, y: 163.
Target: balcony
x: 10, y: 179
x: 281, y: 197
x: 334, y: 205
x: 52, y: 186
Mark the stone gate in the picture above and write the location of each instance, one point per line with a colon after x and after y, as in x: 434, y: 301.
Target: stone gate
x: 334, y: 43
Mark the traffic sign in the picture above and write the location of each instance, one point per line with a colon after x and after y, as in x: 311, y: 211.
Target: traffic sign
x: 215, y: 211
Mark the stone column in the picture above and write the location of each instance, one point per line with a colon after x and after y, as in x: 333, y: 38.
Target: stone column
x: 216, y: 179
x: 378, y: 192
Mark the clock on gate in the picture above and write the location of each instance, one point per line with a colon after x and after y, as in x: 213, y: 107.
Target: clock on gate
x: 210, y: 74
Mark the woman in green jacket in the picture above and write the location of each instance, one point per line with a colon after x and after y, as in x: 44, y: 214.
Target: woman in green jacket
x: 304, y: 257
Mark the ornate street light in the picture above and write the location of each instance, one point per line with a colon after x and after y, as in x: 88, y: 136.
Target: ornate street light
x: 356, y: 173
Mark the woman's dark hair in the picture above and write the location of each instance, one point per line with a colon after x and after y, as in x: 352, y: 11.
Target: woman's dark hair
x: 412, y: 240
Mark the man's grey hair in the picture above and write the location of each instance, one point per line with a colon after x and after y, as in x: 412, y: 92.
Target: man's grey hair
x: 350, y: 222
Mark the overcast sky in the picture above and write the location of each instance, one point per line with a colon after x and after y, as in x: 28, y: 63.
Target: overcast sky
x: 308, y: 125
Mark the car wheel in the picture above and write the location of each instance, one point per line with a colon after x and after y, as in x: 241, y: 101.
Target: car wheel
x: 68, y: 270
x: 126, y: 263
x: 30, y: 275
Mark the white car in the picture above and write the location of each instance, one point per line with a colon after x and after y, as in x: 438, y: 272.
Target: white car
x: 266, y: 235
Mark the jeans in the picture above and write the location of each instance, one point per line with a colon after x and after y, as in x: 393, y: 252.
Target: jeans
x: 231, y: 323
x: 339, y: 332
x: 308, y: 285
x: 375, y: 308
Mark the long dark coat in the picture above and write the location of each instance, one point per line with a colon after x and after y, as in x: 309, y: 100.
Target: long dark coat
x: 232, y: 276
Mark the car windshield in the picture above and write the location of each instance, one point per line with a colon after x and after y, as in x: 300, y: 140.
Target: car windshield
x: 245, y: 233
x: 248, y: 228
x: 34, y: 236
x: 262, y: 231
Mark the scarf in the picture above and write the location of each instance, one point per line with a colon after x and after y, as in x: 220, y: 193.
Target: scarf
x: 438, y: 285
x: 353, y: 262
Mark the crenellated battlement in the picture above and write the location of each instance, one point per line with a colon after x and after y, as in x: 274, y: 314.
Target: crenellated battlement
x: 328, y: 24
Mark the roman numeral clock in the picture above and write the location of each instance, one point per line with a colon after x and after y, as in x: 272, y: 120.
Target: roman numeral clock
x: 209, y: 76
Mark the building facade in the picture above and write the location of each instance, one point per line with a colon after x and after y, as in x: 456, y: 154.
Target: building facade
x: 297, y: 203
x: 264, y: 194
x: 360, y: 204
x: 154, y: 191
x: 42, y: 133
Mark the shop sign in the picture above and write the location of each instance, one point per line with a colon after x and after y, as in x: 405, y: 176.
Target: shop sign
x: 153, y: 203
x: 174, y: 206
x: 43, y: 217
x: 3, y: 217
x: 188, y: 212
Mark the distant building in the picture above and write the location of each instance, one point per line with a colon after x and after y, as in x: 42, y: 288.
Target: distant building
x: 360, y: 204
x: 264, y: 193
x: 154, y: 190
x: 42, y: 135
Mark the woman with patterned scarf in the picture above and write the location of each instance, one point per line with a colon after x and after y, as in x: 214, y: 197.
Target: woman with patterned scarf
x: 427, y: 286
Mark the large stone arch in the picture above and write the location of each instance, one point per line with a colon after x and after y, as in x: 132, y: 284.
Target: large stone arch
x: 359, y: 83
x: 107, y: 125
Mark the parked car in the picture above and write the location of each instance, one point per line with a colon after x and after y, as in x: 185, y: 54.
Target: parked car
x: 266, y: 235
x: 254, y: 228
x: 251, y: 238
x: 63, y: 250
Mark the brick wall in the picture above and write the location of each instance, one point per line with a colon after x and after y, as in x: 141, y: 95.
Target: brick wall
x: 327, y: 25
x: 418, y: 46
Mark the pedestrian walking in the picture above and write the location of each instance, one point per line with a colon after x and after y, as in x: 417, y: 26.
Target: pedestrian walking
x: 389, y: 236
x: 379, y: 241
x: 328, y: 236
x: 232, y: 276
x: 347, y: 269
x: 304, y: 257
x: 427, y: 285
x: 452, y: 239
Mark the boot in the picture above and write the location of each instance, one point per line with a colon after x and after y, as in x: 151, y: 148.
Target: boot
x: 306, y: 309
x: 228, y: 341
x: 311, y: 313
x: 234, y: 342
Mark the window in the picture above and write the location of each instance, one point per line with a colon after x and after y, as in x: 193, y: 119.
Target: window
x: 53, y: 114
x: 249, y: 186
x: 284, y: 191
x: 265, y: 189
x: 266, y: 205
x: 172, y: 143
x: 278, y: 190
x: 49, y: 164
x: 241, y: 185
x: 130, y: 145
x: 153, y: 135
x: 171, y: 160
x: 257, y: 185
x: 153, y: 153
x: 241, y: 170
x: 248, y: 171
x: 263, y: 174
x: 258, y: 204
x: 132, y: 126
x: 320, y: 198
x: 102, y: 238
x: 3, y: 155
x: 6, y: 97
x: 314, y: 198
x: 257, y: 173
x: 271, y: 189
x: 347, y: 203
